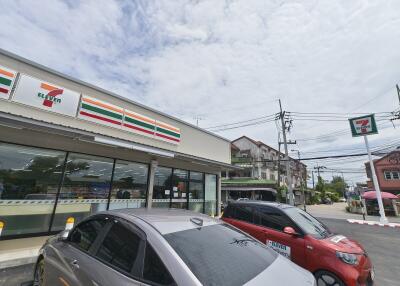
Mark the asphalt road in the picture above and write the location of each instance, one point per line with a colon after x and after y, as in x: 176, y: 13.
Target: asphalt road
x: 381, y: 243
x: 15, y: 276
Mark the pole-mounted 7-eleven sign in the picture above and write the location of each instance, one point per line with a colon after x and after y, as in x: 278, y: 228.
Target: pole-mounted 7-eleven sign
x: 363, y: 125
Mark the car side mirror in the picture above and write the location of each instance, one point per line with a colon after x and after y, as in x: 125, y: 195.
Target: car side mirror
x: 289, y: 230
x: 63, y: 236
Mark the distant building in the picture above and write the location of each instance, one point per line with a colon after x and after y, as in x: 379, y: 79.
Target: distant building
x: 259, y: 163
x: 387, y: 171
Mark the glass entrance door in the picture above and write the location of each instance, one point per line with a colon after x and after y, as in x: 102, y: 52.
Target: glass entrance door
x: 179, y: 194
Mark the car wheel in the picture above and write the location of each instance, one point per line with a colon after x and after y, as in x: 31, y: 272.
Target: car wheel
x: 38, y: 279
x: 325, y: 278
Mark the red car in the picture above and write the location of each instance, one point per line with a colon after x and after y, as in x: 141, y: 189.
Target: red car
x: 334, y: 259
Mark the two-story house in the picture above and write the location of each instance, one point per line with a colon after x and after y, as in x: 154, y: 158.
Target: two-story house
x: 387, y: 171
x: 259, y: 160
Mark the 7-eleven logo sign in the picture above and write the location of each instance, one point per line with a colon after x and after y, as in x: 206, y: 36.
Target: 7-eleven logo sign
x: 364, y: 125
x: 50, y: 95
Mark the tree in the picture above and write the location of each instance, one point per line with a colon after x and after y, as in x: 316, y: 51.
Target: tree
x: 338, y: 185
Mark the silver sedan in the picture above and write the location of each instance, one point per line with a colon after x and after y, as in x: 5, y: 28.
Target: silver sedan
x: 161, y: 247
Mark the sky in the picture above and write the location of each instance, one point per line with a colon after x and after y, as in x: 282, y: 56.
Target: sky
x: 218, y: 62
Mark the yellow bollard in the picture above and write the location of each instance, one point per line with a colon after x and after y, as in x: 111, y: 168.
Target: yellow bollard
x: 70, y: 223
x: 1, y: 226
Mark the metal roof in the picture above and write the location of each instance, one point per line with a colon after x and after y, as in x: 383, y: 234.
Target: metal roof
x: 99, y: 89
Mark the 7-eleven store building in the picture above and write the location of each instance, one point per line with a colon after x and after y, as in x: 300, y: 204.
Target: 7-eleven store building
x: 71, y: 149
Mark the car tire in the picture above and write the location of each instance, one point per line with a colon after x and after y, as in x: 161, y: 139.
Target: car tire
x: 39, y: 276
x: 325, y: 278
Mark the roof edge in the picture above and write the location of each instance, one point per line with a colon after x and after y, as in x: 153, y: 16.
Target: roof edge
x: 260, y: 143
x: 99, y: 89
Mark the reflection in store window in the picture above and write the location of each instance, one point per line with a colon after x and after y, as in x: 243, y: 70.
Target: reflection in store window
x: 196, y: 192
x: 210, y: 194
x: 29, y: 179
x: 85, y: 188
x: 162, y: 187
x: 179, y: 189
x: 129, y: 185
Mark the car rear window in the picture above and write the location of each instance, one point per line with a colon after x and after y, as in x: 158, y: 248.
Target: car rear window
x: 221, y: 255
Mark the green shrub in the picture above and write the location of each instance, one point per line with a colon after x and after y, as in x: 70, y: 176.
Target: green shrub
x: 315, y: 199
x: 334, y: 197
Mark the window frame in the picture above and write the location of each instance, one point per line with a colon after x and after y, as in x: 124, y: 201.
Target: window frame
x: 115, y: 159
x: 60, y: 185
x: 148, y: 282
x: 294, y: 225
x: 231, y: 212
x: 387, y: 175
x: 99, y: 237
x: 187, y: 181
x: 134, y: 272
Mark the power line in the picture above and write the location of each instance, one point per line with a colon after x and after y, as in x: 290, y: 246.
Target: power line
x: 336, y: 133
x: 243, y: 121
x: 244, y: 125
x: 391, y: 144
x: 341, y: 113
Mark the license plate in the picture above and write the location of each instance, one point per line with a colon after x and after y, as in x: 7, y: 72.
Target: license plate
x: 372, y: 274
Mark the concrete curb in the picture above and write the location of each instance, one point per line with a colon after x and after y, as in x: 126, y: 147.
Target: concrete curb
x: 17, y: 262
x: 375, y: 223
x: 18, y: 258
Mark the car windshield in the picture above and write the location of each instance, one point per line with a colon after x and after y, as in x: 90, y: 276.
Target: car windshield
x: 308, y: 223
x: 221, y: 255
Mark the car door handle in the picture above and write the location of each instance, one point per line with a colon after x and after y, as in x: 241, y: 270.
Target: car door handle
x: 75, y: 263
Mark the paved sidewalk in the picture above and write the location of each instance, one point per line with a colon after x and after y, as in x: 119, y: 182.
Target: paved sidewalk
x: 19, y: 251
x: 338, y: 211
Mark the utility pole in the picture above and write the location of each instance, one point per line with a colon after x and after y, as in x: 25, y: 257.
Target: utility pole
x: 318, y: 168
x: 279, y: 160
x: 313, y: 182
x: 396, y: 114
x: 285, y: 143
x: 301, y: 180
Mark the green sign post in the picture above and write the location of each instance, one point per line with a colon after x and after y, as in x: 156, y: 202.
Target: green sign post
x: 363, y: 126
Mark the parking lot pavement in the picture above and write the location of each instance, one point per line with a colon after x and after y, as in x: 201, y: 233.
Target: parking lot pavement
x: 338, y: 211
x: 382, y: 245
x: 14, y: 276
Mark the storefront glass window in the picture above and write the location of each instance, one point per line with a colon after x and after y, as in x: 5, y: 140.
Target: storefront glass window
x: 196, y: 192
x: 129, y: 185
x: 29, y: 179
x: 210, y: 194
x: 179, y: 189
x: 162, y: 187
x: 85, y: 188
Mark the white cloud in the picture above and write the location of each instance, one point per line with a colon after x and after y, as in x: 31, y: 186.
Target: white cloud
x: 223, y: 60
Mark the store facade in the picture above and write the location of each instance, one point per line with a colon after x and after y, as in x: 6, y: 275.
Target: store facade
x: 70, y: 149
